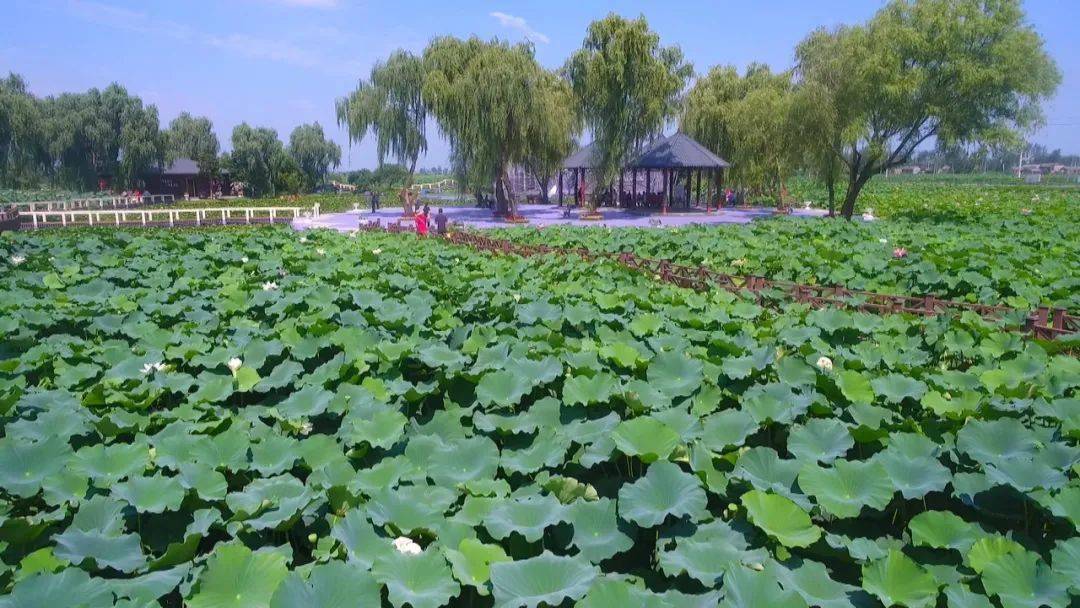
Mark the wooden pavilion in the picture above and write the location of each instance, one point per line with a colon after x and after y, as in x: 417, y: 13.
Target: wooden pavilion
x: 678, y: 160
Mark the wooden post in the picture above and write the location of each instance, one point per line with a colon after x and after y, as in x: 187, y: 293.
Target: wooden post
x: 560, y: 187
x: 698, y: 195
x: 689, y: 191
x: 648, y: 185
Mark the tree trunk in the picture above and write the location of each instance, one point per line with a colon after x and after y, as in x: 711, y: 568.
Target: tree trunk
x: 830, y: 186
x: 406, y: 203
x: 511, y: 199
x: 856, y: 181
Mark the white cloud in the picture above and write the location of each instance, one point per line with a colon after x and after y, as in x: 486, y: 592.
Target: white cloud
x: 518, y: 23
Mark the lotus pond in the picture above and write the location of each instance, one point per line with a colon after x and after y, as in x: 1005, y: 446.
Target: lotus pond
x: 260, y: 418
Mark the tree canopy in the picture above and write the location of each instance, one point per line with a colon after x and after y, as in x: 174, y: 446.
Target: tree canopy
x: 313, y: 153
x: 253, y: 157
x: 193, y: 137
x: 627, y: 86
x: 956, y: 70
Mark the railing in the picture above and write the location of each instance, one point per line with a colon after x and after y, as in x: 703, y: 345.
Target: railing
x: 167, y: 217
x: 437, y: 186
x: 106, y: 202
x: 1044, y: 323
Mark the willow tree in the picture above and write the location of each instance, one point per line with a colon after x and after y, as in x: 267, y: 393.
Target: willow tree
x: 22, y: 151
x: 391, y: 105
x: 313, y: 153
x: 755, y: 121
x: 553, y: 133
x: 193, y: 137
x: 254, y: 157
x: 958, y: 71
x: 495, y: 104
x: 627, y: 86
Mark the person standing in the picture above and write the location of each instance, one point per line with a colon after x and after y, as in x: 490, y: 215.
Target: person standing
x: 374, y: 201
x: 440, y: 222
x: 421, y: 223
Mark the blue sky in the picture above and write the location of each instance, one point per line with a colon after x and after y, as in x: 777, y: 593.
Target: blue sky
x: 280, y: 63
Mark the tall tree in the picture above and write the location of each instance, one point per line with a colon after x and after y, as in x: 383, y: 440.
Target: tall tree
x: 193, y: 137
x: 391, y: 105
x: 252, y: 158
x: 554, y: 131
x: 313, y: 153
x: 490, y: 100
x: 141, y: 148
x: 755, y: 121
x: 22, y: 152
x: 627, y: 86
x: 956, y: 70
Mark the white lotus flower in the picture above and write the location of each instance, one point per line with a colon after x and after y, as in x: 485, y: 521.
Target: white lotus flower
x: 407, y: 546
x: 824, y: 364
x: 376, y: 251
x: 269, y: 286
x: 234, y: 364
x: 517, y: 297
x: 738, y: 262
x: 883, y: 241
x: 148, y: 368
x: 303, y: 239
x: 320, y: 251
x: 869, y: 217
x: 17, y: 259
x: 306, y: 428
x: 244, y: 259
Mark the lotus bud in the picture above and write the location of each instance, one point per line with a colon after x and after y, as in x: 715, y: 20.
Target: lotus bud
x: 824, y: 364
x: 244, y: 259
x: 17, y: 259
x: 376, y: 251
x: 153, y: 453
x: 265, y: 503
x: 303, y: 239
x: 312, y: 538
x: 899, y: 253
x: 234, y: 364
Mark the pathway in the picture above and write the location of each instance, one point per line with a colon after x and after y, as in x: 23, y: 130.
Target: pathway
x: 549, y: 215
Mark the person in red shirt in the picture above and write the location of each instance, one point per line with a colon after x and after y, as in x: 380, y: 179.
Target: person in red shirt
x: 421, y: 223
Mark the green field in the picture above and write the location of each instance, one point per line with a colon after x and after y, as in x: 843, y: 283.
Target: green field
x: 258, y: 417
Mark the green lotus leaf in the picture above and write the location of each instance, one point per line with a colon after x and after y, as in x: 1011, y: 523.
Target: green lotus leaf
x: 472, y: 561
x: 896, y: 580
x: 440, y: 356
x: 362, y: 545
x: 812, y: 581
x: 944, y: 530
x: 1021, y: 580
x: 1066, y: 561
x: 1025, y: 474
x: 419, y: 581
x: 24, y: 465
x: 766, y: 471
x: 121, y: 552
x: 664, y: 491
x: 645, y: 437
x: 598, y: 534
x: 675, y: 374
x: 855, y: 387
x: 547, y: 579
x: 246, y: 379
x: 155, y: 494
x: 274, y: 454
x: 775, y: 402
x: 537, y: 372
x: 997, y: 440
x: 542, y: 415
x: 622, y: 353
x: 590, y: 390
x: 895, y: 388
x: 306, y: 402
x: 49, y: 589
x: 384, y: 429
x: 820, y: 440
x: 569, y: 489
x: 331, y: 585
x: 780, y: 518
x: 913, y: 477
x: 848, y: 486
x: 527, y: 516
x: 950, y: 405
x: 709, y: 554
x: 746, y: 588
x: 547, y: 450
x: 148, y: 588
x: 460, y: 460
x: 960, y: 596
x: 989, y: 549
x: 235, y: 576
x: 726, y: 429
x: 410, y: 508
x: 208, y: 483
x: 503, y: 388
x: 42, y: 560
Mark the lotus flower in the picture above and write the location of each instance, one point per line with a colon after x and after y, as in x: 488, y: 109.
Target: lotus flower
x: 306, y: 428
x: 149, y: 368
x: 17, y: 259
x: 1025, y: 211
x: 407, y: 546
x: 868, y: 216
x: 303, y: 239
x: 883, y: 241
x: 376, y: 251
x: 899, y: 253
x: 320, y: 251
x: 269, y: 286
x: 824, y: 364
x: 244, y: 259
x: 739, y: 262
x: 234, y: 364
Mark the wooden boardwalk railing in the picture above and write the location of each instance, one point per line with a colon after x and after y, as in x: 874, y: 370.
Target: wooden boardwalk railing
x: 224, y: 216
x: 104, y: 202
x: 1044, y: 323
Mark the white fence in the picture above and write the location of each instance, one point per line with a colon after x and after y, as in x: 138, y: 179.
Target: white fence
x: 168, y: 217
x: 105, y: 202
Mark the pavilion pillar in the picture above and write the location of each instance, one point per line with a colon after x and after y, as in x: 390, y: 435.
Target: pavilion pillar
x: 622, y: 186
x: 648, y: 185
x: 633, y: 186
x: 577, y: 186
x: 719, y: 188
x: 697, y: 196
x: 689, y: 191
x: 669, y: 185
x: 560, y: 187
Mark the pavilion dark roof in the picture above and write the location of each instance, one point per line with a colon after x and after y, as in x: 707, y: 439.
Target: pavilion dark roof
x: 583, y: 158
x: 680, y: 151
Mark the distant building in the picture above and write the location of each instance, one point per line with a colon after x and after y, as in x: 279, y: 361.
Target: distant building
x: 181, y: 178
x: 907, y: 170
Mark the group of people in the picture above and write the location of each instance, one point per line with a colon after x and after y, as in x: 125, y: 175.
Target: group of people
x: 423, y: 221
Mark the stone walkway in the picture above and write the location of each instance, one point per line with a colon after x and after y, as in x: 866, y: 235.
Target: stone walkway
x: 550, y: 215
